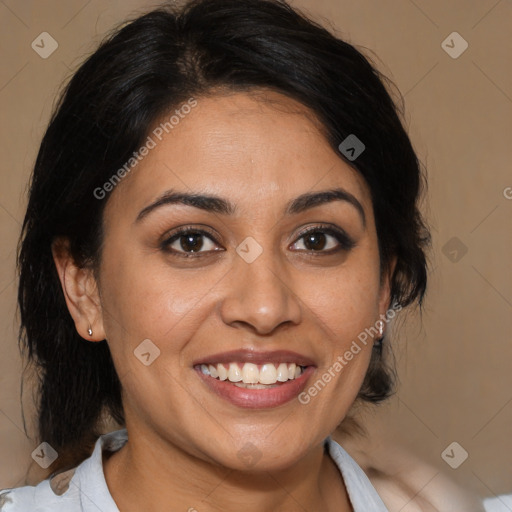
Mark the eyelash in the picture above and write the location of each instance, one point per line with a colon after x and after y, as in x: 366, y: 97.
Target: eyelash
x: 345, y: 242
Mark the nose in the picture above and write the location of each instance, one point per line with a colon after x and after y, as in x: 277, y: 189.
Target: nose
x: 260, y: 296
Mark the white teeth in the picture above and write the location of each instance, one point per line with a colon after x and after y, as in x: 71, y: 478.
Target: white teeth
x: 234, y: 373
x: 268, y: 374
x: 213, y: 371
x: 251, y: 376
x: 282, y: 372
x: 223, y: 373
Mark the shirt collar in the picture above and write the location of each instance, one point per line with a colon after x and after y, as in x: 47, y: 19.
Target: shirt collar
x: 95, y: 496
x: 94, y: 493
x: 361, y: 492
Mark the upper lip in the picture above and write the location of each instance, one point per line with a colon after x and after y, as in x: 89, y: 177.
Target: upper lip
x: 253, y: 356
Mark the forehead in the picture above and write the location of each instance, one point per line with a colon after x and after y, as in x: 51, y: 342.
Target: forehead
x: 247, y: 147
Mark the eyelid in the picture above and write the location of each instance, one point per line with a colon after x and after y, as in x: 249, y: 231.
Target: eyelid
x: 196, y: 228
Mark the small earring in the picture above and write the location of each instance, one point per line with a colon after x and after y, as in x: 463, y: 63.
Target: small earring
x: 89, y: 331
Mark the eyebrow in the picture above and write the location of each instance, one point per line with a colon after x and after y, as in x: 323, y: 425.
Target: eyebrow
x: 216, y: 204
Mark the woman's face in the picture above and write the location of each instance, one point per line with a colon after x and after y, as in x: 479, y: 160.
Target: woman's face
x: 245, y: 280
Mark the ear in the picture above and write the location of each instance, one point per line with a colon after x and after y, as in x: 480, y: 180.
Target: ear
x: 80, y: 291
x: 385, y: 289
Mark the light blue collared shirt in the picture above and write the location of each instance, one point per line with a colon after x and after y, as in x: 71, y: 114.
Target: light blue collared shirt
x: 84, y: 489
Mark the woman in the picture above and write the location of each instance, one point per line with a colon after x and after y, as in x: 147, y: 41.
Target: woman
x: 222, y: 222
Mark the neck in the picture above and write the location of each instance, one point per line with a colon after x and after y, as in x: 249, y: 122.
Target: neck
x: 140, y: 477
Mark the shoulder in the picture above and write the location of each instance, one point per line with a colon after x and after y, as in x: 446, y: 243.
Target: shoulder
x: 79, y: 489
x: 53, y: 494
x: 401, y: 478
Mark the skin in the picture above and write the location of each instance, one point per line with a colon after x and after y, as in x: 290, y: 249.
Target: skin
x: 184, y: 440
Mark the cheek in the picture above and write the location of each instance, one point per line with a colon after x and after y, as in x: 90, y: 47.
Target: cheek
x: 345, y: 303
x: 143, y: 300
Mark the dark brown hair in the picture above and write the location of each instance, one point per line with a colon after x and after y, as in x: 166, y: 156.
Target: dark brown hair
x: 140, y: 71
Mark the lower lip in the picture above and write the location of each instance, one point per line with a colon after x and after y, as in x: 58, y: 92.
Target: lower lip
x: 257, y: 398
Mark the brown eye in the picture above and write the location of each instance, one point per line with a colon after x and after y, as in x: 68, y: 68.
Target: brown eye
x: 187, y: 241
x: 191, y: 242
x: 315, y: 241
x: 325, y: 240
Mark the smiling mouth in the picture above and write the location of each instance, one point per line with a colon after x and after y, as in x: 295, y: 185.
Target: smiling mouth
x: 252, y: 379
x: 253, y: 376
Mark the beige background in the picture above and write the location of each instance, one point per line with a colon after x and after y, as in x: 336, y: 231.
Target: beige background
x: 455, y: 364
